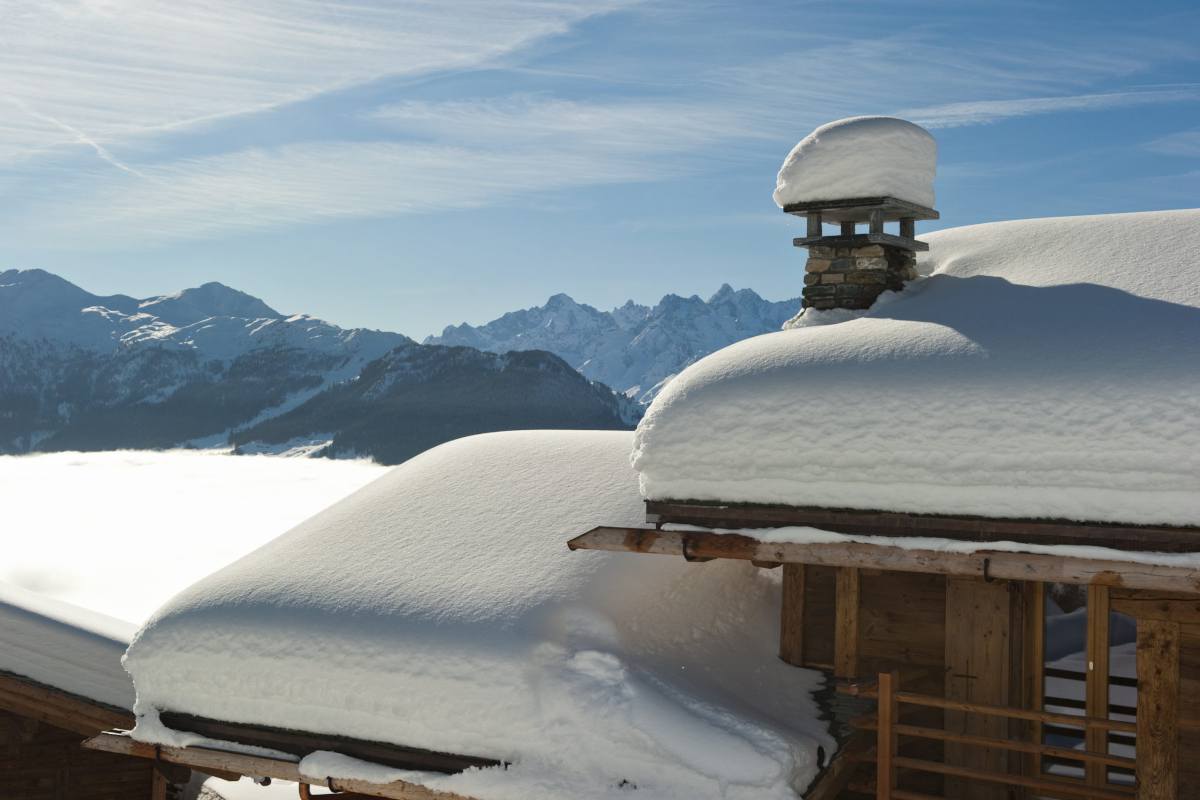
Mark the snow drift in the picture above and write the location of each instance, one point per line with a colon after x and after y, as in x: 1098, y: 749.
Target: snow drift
x: 1042, y: 368
x: 860, y: 157
x: 60, y: 645
x: 439, y: 607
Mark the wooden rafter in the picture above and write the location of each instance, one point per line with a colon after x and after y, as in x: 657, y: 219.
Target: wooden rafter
x: 982, y: 564
x: 220, y: 761
x: 1148, y: 538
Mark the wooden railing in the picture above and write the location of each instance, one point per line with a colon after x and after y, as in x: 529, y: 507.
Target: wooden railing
x: 891, y: 763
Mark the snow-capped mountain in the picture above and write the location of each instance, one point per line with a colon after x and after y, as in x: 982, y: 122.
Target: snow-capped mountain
x: 207, y: 365
x: 634, y: 348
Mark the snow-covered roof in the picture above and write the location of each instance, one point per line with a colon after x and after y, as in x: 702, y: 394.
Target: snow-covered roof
x: 440, y: 608
x: 1042, y: 368
x: 60, y: 645
x: 860, y: 157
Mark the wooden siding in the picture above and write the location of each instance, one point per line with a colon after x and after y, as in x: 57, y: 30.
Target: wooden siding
x: 39, y: 761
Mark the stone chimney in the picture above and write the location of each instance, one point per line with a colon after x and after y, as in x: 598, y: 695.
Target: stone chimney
x: 865, y: 172
x: 851, y: 269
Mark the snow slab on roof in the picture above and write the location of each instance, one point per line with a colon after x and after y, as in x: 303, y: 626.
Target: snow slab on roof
x: 439, y: 607
x: 860, y: 157
x: 64, y: 646
x: 1041, y: 368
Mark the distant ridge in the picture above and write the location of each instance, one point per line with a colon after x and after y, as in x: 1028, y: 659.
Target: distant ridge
x: 634, y: 348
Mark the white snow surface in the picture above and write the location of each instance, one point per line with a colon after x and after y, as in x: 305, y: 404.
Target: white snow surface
x: 64, y: 646
x: 860, y: 157
x: 1041, y: 368
x: 439, y: 607
x: 121, y: 532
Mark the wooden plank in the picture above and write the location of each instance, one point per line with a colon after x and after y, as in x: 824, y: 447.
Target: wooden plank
x: 902, y: 625
x: 820, y: 602
x: 301, y: 743
x: 1158, y: 656
x: 1096, y: 699
x: 845, y: 636
x: 996, y: 564
x: 1005, y: 779
x: 791, y: 616
x: 1151, y: 538
x: 885, y: 748
x: 978, y: 640
x: 1015, y: 745
x: 53, y: 706
x: 203, y: 760
x: 1047, y: 717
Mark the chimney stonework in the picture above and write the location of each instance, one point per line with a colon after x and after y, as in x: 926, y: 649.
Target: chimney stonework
x: 854, y: 276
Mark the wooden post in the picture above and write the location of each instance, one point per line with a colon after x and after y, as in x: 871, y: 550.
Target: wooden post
x: 1157, y: 709
x: 876, y: 220
x: 791, y: 616
x: 159, y: 784
x: 908, y: 228
x: 1035, y: 666
x: 813, y: 229
x: 978, y: 670
x: 847, y: 229
x: 845, y: 632
x: 1096, y: 699
x: 885, y: 775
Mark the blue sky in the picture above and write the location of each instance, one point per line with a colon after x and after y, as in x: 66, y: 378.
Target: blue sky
x: 410, y: 165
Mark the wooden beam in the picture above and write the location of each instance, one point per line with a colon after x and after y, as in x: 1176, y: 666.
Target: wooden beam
x: 995, y: 564
x: 845, y: 631
x: 205, y: 760
x: 1096, y: 698
x: 1179, y: 608
x: 1158, y: 709
x: 791, y: 616
x: 1143, y: 538
x: 301, y: 743
x: 847, y: 228
x: 28, y: 698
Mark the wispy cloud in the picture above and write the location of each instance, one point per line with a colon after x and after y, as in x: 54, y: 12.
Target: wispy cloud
x: 95, y: 71
x: 454, y: 155
x: 1183, y: 143
x: 982, y: 112
x: 528, y: 121
x: 307, y: 183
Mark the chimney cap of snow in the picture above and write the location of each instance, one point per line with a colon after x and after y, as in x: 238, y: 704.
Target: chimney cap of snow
x: 860, y: 157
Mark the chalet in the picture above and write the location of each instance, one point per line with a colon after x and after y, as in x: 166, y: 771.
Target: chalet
x: 938, y: 538
x: 61, y: 682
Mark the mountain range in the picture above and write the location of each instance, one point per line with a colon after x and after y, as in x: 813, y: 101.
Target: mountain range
x: 212, y: 366
x: 635, y: 349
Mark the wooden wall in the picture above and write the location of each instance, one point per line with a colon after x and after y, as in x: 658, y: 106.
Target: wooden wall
x: 41, y: 762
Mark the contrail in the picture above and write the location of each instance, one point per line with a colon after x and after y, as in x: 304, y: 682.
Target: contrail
x: 80, y: 137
